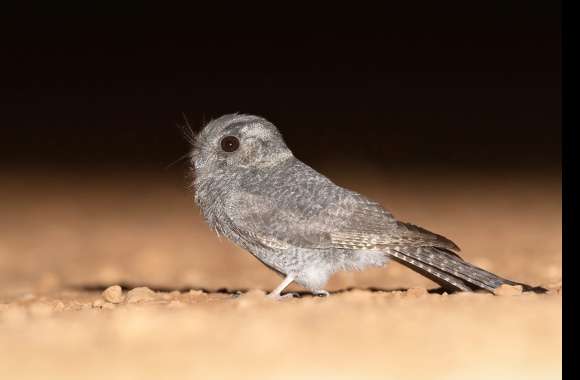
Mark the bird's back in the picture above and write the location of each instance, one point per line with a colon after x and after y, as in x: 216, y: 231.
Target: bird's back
x: 293, y: 203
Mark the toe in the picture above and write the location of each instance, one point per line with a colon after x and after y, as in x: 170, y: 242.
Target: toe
x: 283, y: 296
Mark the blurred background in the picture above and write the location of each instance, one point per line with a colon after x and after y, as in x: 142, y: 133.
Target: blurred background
x: 450, y: 118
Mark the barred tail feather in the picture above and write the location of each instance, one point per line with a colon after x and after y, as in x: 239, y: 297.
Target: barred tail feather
x: 449, y: 270
x: 441, y: 278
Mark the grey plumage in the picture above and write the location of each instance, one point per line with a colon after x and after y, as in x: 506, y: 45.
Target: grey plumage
x: 252, y: 189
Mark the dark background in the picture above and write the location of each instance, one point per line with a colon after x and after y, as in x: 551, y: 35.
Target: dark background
x: 466, y: 88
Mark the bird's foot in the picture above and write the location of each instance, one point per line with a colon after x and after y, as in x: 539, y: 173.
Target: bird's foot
x: 320, y: 293
x: 278, y: 297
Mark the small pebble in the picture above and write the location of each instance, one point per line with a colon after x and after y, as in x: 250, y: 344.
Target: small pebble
x: 141, y: 294
x: 508, y: 290
x: 113, y: 294
x: 59, y: 306
x: 171, y: 295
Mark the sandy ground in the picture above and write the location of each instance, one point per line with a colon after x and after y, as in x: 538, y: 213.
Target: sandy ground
x: 65, y: 239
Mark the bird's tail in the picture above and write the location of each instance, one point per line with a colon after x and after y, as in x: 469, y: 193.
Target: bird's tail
x: 450, y: 271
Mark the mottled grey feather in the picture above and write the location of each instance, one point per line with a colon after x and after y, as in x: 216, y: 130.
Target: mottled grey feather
x: 296, y: 221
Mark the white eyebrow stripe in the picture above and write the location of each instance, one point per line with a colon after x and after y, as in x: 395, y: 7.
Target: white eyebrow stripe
x: 256, y: 130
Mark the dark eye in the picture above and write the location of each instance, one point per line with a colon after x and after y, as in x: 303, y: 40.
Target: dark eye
x: 230, y: 144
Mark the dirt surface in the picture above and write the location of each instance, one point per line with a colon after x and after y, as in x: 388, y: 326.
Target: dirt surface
x: 191, y: 305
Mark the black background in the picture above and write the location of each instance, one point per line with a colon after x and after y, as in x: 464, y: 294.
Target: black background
x: 458, y: 87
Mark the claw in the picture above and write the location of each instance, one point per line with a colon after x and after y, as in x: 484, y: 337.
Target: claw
x: 320, y: 293
x: 279, y: 297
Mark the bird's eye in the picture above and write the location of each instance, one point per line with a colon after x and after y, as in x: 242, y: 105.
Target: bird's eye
x: 230, y: 144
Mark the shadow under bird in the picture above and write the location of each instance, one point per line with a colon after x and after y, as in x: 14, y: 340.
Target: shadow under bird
x: 251, y: 189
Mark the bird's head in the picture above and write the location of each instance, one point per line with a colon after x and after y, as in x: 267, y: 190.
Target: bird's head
x: 237, y: 141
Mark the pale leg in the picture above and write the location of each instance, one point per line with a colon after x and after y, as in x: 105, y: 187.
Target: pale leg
x: 276, y: 292
x: 320, y: 293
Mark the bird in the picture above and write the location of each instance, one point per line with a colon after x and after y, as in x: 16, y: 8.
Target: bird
x: 251, y: 189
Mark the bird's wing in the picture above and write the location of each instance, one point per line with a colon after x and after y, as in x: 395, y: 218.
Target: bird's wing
x: 399, y: 234
x: 312, y: 212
